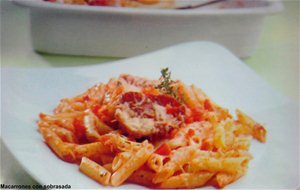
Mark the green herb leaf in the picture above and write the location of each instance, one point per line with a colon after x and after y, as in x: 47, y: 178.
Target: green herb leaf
x: 165, y: 85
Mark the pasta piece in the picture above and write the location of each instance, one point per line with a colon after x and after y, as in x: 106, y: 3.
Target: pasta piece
x: 167, y: 171
x: 187, y: 180
x: 187, y: 95
x: 136, y: 161
x: 95, y: 95
x: 119, y: 142
x: 91, y: 150
x: 259, y: 132
x: 155, y: 162
x: 219, y: 138
x: 57, y: 145
x: 234, y: 165
x: 64, y: 120
x: 108, y: 167
x: 60, y: 116
x: 236, y: 154
x: 69, y: 105
x: 142, y: 177
x: 242, y: 142
x: 120, y: 159
x: 255, y: 129
x: 105, y: 159
x: 178, y: 141
x: 224, y: 136
x: 64, y: 107
x: 137, y: 82
x: 95, y: 171
x: 222, y: 179
x: 64, y: 134
x: 211, y: 163
x: 78, y: 106
x: 205, y: 163
x: 200, y: 95
x: 178, y: 158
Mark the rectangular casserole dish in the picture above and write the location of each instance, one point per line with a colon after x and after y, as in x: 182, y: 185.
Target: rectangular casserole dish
x: 122, y: 32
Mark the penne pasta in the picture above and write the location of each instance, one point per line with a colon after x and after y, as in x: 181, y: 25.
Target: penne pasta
x: 157, y: 133
x: 108, y: 167
x: 251, y: 127
x: 142, y: 177
x: 95, y: 171
x: 136, y: 161
x: 179, y: 157
x: 187, y: 180
x: 91, y: 150
x: 229, y: 165
x: 205, y: 164
x: 57, y: 145
x: 120, y: 160
x: 106, y: 158
x: 222, y: 179
x: 64, y: 134
x: 155, y: 162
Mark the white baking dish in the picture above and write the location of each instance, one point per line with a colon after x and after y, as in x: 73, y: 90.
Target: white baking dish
x: 123, y: 32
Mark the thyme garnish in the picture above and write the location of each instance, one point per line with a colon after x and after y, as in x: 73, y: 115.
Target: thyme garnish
x: 165, y: 85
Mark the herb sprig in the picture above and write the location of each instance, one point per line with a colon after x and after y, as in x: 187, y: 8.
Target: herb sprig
x: 165, y: 85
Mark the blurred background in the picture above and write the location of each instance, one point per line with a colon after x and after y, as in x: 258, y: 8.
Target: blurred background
x: 276, y: 59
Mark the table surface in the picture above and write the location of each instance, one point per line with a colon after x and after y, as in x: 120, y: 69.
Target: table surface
x: 276, y: 60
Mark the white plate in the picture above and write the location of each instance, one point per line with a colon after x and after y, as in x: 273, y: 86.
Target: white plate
x: 26, y: 92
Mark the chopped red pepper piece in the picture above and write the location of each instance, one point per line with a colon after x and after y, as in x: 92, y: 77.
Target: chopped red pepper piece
x: 195, y: 115
x: 163, y: 149
x: 207, y: 105
x: 191, y: 132
x: 86, y: 98
x: 95, y: 108
x: 173, y: 133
